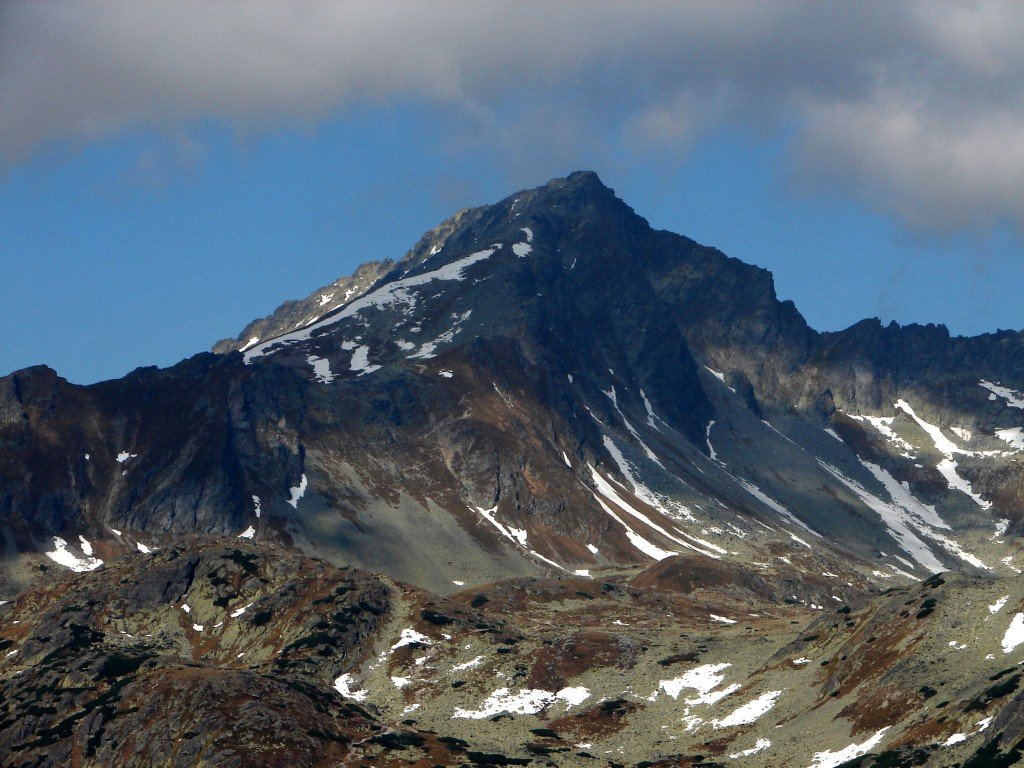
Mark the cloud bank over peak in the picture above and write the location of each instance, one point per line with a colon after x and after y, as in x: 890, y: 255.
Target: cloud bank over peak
x: 916, y: 108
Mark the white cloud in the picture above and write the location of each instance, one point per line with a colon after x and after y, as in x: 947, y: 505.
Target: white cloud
x: 918, y: 107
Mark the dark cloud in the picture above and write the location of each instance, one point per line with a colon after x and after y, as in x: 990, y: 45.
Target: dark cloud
x: 918, y: 108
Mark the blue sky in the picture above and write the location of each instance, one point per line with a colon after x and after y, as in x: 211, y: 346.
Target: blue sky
x: 157, y: 219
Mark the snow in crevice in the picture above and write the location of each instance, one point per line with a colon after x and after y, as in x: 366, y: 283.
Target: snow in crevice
x: 635, y: 539
x: 707, y: 439
x: 650, y: 411
x: 788, y: 439
x: 297, y: 492
x: 721, y: 377
x: 123, y: 456
x: 248, y: 533
x: 397, y: 292
x: 671, y: 509
x: 923, y: 517
x: 611, y: 394
x: 258, y: 506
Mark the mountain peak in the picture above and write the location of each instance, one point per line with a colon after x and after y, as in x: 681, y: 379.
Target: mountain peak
x: 582, y: 179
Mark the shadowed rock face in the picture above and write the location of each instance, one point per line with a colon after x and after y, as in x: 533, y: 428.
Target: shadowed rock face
x: 500, y: 502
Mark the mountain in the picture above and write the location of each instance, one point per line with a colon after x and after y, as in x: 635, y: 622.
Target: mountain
x: 558, y: 429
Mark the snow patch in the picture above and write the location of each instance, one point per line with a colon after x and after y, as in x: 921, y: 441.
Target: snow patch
x: 749, y: 712
x: 361, y: 361
x: 62, y: 556
x: 343, y: 685
x: 703, y: 679
x: 468, y: 664
x: 997, y: 606
x: 759, y: 745
x: 1014, y: 635
x: 830, y: 759
x: 321, y: 369
x: 410, y: 636
x: 1012, y: 435
x: 1013, y: 398
x: 529, y: 701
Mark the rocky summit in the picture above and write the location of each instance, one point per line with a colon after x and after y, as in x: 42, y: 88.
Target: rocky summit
x: 553, y: 489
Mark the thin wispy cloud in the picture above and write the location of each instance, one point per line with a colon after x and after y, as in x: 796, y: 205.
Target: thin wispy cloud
x: 915, y: 108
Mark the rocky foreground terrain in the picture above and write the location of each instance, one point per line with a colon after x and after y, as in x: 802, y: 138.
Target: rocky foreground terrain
x: 554, y: 488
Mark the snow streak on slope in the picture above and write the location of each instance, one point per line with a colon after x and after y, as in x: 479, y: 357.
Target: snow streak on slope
x: 644, y: 493
x: 884, y: 425
x: 397, y: 292
x: 609, y: 492
x: 771, y: 503
x: 896, y: 519
x: 922, y: 515
x: 611, y: 394
x: 638, y: 541
x: 945, y: 446
x: 516, y: 535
